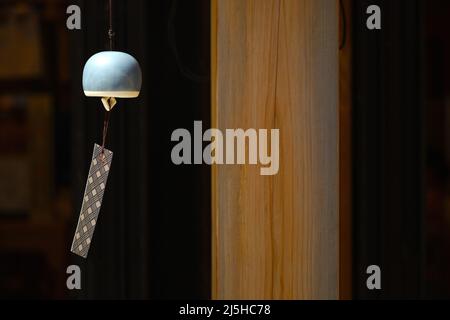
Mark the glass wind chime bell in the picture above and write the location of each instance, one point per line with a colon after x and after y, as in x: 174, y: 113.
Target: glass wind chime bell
x: 107, y: 75
x: 110, y: 75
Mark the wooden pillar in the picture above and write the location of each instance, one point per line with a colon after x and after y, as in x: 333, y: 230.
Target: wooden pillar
x: 275, y: 65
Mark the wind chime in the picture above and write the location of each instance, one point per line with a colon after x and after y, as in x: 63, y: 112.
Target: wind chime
x: 108, y: 75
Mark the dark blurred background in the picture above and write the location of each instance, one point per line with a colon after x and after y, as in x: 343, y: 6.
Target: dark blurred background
x: 401, y: 148
x: 153, y: 236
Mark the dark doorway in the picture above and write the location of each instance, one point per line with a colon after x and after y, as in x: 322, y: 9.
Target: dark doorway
x: 388, y: 149
x: 153, y: 237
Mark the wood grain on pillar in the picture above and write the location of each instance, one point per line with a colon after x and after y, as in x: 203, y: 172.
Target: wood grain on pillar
x: 275, y: 65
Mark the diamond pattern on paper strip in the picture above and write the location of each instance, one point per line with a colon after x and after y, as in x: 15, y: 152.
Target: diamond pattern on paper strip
x: 92, y: 200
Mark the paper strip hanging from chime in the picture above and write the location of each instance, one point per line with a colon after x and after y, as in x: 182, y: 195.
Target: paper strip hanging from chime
x: 92, y: 200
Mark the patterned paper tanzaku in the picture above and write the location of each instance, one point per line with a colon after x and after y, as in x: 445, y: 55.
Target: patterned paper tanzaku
x: 92, y: 200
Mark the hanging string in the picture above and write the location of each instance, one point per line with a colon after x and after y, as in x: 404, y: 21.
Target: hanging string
x: 111, y: 35
x: 105, y: 129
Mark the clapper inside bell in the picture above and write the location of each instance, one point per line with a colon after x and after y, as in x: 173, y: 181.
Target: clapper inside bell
x: 92, y: 200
